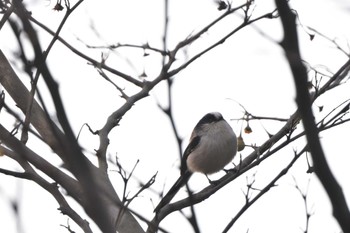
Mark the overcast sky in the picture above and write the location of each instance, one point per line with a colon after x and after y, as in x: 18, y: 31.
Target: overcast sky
x: 249, y: 68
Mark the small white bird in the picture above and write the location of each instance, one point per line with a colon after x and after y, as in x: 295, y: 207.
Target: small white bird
x: 213, y: 144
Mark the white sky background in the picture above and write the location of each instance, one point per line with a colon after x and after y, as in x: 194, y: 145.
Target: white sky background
x: 247, y: 68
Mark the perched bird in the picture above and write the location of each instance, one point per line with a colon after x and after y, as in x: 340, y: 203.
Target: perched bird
x: 213, y: 144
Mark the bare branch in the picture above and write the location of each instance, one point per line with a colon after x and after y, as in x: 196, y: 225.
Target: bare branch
x: 24, y: 136
x: 30, y: 174
x: 87, y: 58
x: 333, y: 41
x: 271, y: 184
x: 322, y: 170
x: 303, y: 195
x: 126, y: 45
x: 246, y: 22
x: 99, y: 206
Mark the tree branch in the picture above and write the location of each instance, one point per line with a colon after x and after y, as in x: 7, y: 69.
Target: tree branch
x: 97, y: 195
x: 322, y: 170
x: 271, y: 184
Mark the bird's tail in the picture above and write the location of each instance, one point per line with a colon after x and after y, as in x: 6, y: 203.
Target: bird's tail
x: 173, y: 190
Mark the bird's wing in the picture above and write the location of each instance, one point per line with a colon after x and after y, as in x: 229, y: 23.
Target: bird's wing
x: 191, y: 146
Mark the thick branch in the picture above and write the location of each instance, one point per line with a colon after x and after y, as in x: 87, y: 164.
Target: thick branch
x: 19, y: 93
x: 30, y: 174
x: 103, y: 204
x: 322, y: 170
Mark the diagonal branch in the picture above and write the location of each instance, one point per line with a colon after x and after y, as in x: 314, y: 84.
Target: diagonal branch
x: 271, y: 184
x: 128, y: 78
x: 24, y: 136
x: 30, y: 174
x: 98, y: 196
x: 244, y: 24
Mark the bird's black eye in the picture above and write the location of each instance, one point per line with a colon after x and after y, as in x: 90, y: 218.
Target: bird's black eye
x: 210, y: 118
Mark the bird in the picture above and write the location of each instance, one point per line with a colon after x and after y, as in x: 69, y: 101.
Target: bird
x: 212, y: 145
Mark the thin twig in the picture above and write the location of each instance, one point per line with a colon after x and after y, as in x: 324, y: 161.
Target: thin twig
x: 271, y: 184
